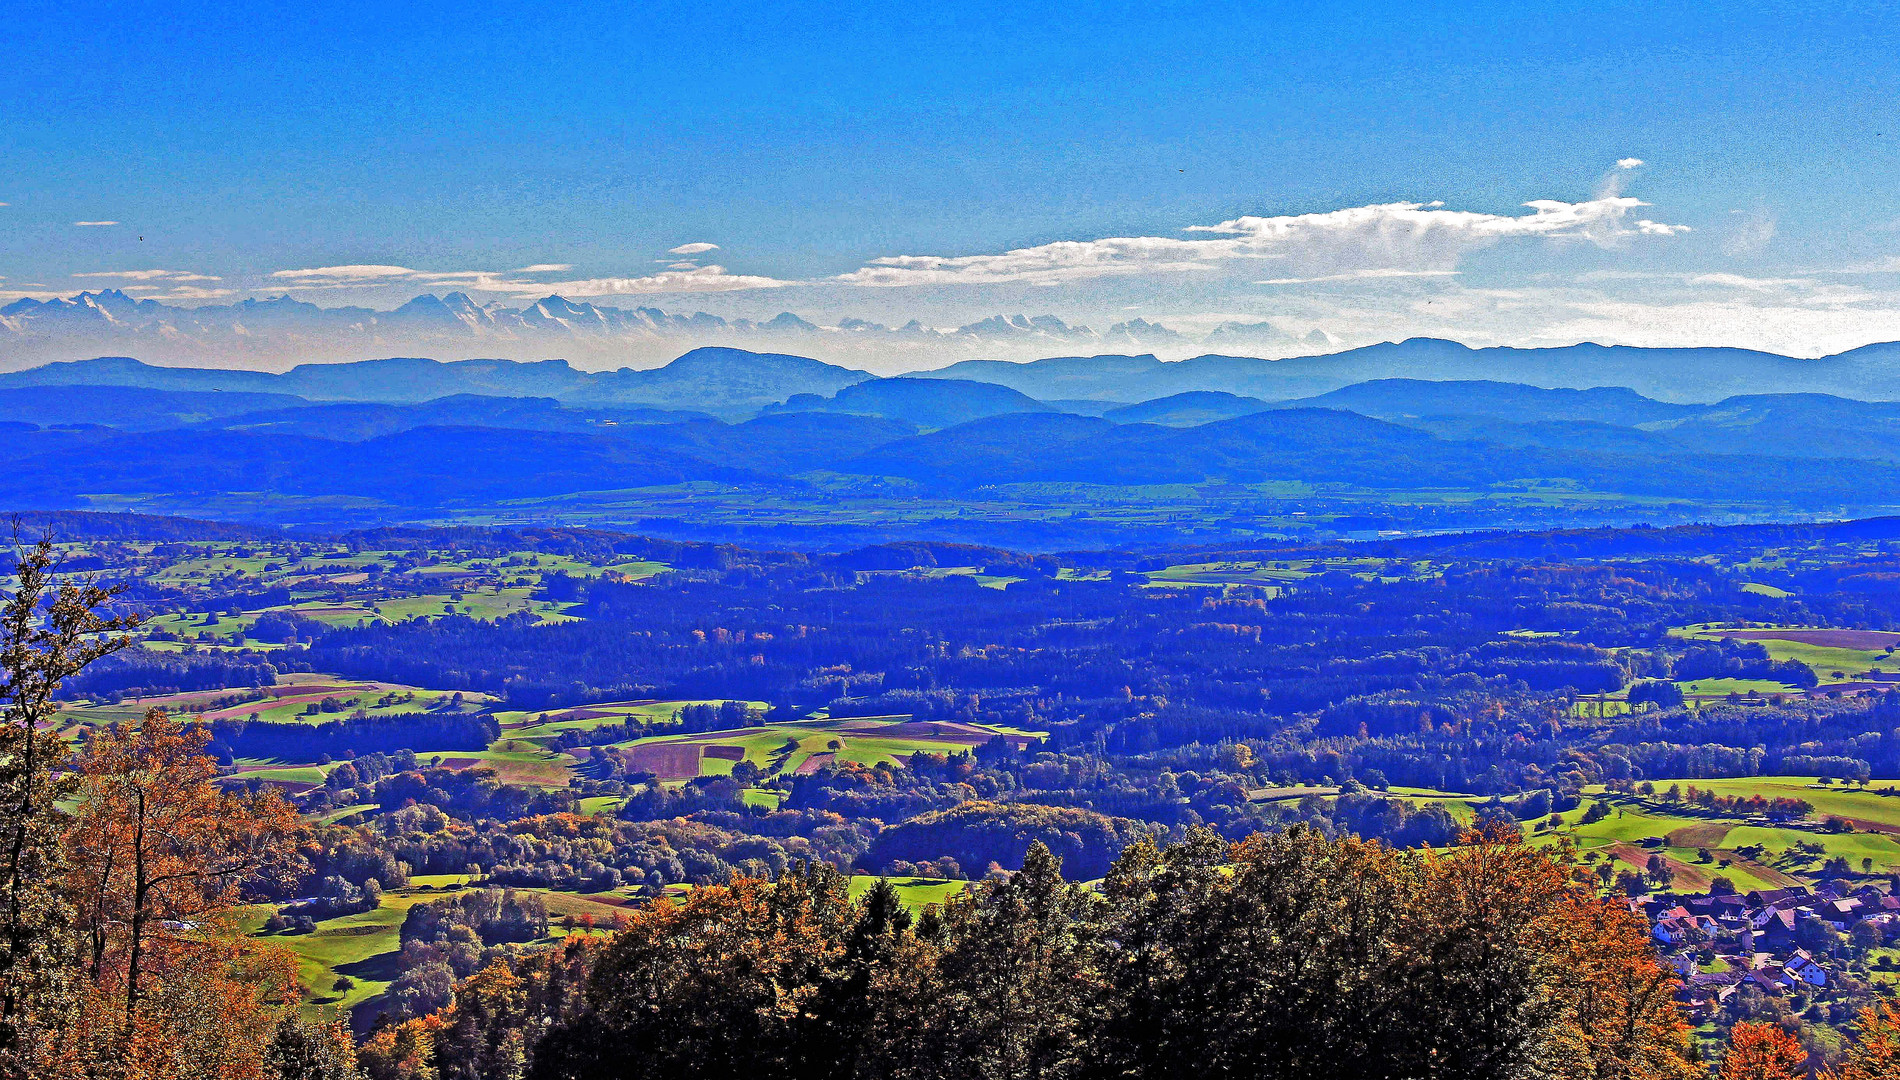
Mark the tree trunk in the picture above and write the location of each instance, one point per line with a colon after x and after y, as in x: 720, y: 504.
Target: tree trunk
x: 140, y: 887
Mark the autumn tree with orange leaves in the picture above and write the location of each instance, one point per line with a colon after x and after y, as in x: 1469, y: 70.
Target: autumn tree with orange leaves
x: 51, y: 627
x: 157, y: 847
x: 1875, y: 1052
x: 157, y: 854
x: 1759, y: 1051
x: 1292, y: 955
x: 117, y: 959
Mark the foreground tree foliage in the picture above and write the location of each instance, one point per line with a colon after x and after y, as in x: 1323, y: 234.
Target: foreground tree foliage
x: 1289, y: 955
x: 48, y: 632
x: 1763, y: 1052
x: 1875, y: 1053
x: 157, y: 853
x: 117, y: 957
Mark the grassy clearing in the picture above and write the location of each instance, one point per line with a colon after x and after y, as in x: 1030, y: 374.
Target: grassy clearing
x: 364, y: 947
x: 297, y: 699
x: 1825, y: 659
x: 988, y: 581
x: 1778, y: 853
x: 915, y: 892
x: 1721, y: 688
x: 807, y: 744
x: 546, y: 725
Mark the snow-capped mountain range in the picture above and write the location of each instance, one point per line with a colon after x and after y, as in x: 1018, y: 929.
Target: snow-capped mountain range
x: 282, y: 331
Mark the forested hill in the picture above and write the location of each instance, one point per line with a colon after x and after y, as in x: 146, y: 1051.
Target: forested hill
x: 842, y: 459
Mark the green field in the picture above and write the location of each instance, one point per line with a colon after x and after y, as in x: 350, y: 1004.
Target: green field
x: 364, y: 947
x: 1824, y: 659
x: 354, y: 588
x: 1680, y: 832
x: 787, y: 747
x: 545, y: 725
x: 297, y: 699
x: 916, y: 893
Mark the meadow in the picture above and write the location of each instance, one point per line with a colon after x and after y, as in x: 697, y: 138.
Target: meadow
x: 1837, y: 656
x: 797, y: 747
x: 1752, y: 852
x: 1698, y: 845
x: 364, y: 948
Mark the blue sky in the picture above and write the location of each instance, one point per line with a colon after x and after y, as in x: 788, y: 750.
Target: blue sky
x: 255, y: 150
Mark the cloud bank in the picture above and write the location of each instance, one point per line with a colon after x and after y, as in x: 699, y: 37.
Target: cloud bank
x: 1381, y: 239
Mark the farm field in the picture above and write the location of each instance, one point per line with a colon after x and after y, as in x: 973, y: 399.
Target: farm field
x: 523, y: 764
x: 803, y: 746
x: 916, y: 893
x: 1637, y: 828
x: 1273, y: 573
x: 340, y: 587
x: 1227, y: 573
x: 299, y: 697
x: 543, y: 726
x: 988, y: 581
x: 1462, y: 807
x: 1761, y: 854
x: 1827, y: 651
x: 364, y: 947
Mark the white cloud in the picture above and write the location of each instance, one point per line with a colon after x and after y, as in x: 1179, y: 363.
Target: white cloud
x: 1403, y: 237
x: 94, y: 223
x: 692, y: 249
x: 1629, y: 163
x: 1751, y: 234
x: 360, y: 274
x: 688, y: 279
x: 700, y: 279
x: 1888, y: 265
x: 148, y: 275
x: 545, y: 268
x: 1359, y: 275
x: 172, y: 293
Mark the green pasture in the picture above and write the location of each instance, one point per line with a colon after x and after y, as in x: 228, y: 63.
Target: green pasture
x: 1462, y: 807
x: 1721, y: 688
x: 783, y: 747
x: 545, y: 725
x: 1232, y: 573
x: 514, y: 762
x: 1824, y: 659
x: 597, y: 805
x: 286, y: 703
x: 260, y: 769
x: 292, y: 702
x: 915, y: 892
x: 638, y: 569
x: 988, y: 581
x: 1864, y: 804
x: 1796, y: 849
x: 365, y: 946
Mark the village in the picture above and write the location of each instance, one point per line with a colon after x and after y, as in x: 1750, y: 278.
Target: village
x: 1812, y: 952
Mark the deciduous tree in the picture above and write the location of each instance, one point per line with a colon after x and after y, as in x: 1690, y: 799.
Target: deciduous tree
x: 159, y: 853
x: 1759, y: 1051
x: 50, y: 629
x: 1875, y: 1052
